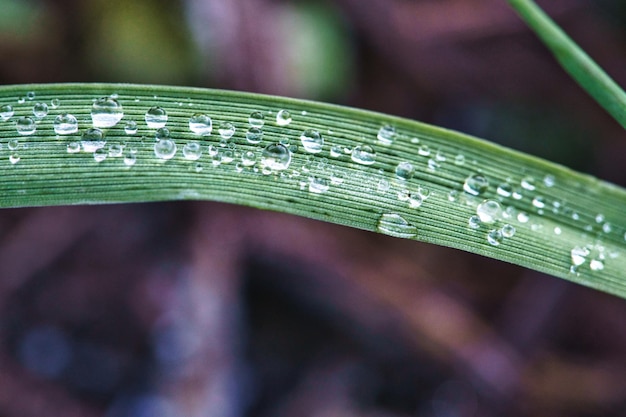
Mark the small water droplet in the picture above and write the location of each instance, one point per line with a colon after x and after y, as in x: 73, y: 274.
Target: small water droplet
x: 440, y: 156
x: 162, y: 133
x: 40, y: 110
x: 130, y: 127
x: 337, y: 177
x: 25, y: 126
x: 453, y: 195
x: 433, y: 165
x: 596, y: 264
x: 599, y: 218
x: 549, y: 181
x: 276, y: 157
x: 130, y: 159
x: 226, y: 130
x: 557, y: 230
x: 404, y: 170
x: 424, y: 150
x: 383, y: 186
x: 99, y: 155
x: 318, y: 185
x: 508, y: 231
x: 283, y: 118
x: 415, y: 140
x: 73, y: 147
x: 14, y: 158
x: 30, y: 95
x: 256, y: 119
x: 13, y: 144
x: 201, y: 124
x: 116, y: 150
x: 517, y: 194
x: 156, y: 117
x: 395, y: 225
x: 106, y: 112
x: 92, y: 140
x: 165, y: 149
x: 248, y: 158
x: 494, y: 237
x: 312, y: 141
x: 539, y: 202
x: 607, y: 228
x: 579, y: 255
x: 55, y: 102
x: 476, y: 184
x: 488, y: 211
x: 254, y: 135
x: 335, y: 151
x: 523, y: 217
x: 65, y: 124
x: 6, y: 112
x: 459, y: 159
x: 528, y: 183
x: 364, y: 155
x: 386, y: 135
x: 505, y: 189
x: 415, y: 200
x: 192, y: 151
x: 474, y: 222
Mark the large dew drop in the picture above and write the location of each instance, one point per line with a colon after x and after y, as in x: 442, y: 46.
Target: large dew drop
x: 283, y: 118
x: 92, y: 140
x: 364, y: 155
x: 395, y: 225
x: 256, y: 119
x: 488, y: 211
x: 192, y: 151
x: 226, y: 130
x: 312, y: 141
x: 156, y: 117
x: 404, y: 170
x: 386, y: 135
x: 201, y: 124
x: 65, y: 124
x: 276, y: 157
x: 106, y: 112
x: 318, y: 185
x: 254, y: 135
x: 25, y: 126
x: 494, y: 237
x: 6, y: 112
x: 40, y: 110
x: 476, y: 184
x: 165, y: 149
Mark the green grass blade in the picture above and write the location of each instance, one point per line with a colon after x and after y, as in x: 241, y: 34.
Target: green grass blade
x: 552, y: 209
x: 574, y: 60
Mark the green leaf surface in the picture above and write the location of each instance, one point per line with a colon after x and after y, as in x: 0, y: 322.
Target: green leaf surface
x: 552, y: 209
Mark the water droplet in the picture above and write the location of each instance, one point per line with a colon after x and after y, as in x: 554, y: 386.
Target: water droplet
x: 396, y: 226
x: 6, y: 112
x: 476, y: 184
x: 130, y: 127
x: 106, y: 112
x: 557, y: 230
x: 13, y: 144
x: 30, y: 95
x: 276, y: 157
x: 201, y: 124
x: 522, y: 217
x: 505, y: 189
x: 424, y: 150
x: 415, y: 200
x: 453, y: 195
x: 55, y: 102
x: 509, y: 212
x: 92, y: 140
x: 596, y: 264
x: 40, y: 110
x: 99, y: 155
x: 337, y: 177
x: 549, y: 181
x: 116, y: 150
x: 459, y: 159
x: 14, y: 158
x: 162, y: 133
x: 256, y: 119
x: 528, y: 183
x: 599, y: 218
x: 65, y: 124
x: 283, y: 118
x: 25, y: 126
x: 415, y: 140
x: 254, y: 135
x: 517, y: 194
x: 539, y: 202
x: 248, y: 158
x: 383, y: 186
x: 364, y: 155
x: 165, y: 149
x: 508, y: 230
x: 488, y: 211
x: 318, y: 185
x: 386, y: 135
x: 73, y: 147
x: 226, y: 130
x: 312, y: 141
x: 607, y: 228
x: 156, y: 117
x: 404, y: 170
x: 433, y: 165
x: 335, y: 151
x: 130, y: 159
x: 474, y: 222
x: 192, y: 151
x: 494, y: 237
x: 579, y: 255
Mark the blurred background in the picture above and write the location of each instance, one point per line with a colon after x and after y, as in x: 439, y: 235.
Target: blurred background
x: 206, y: 309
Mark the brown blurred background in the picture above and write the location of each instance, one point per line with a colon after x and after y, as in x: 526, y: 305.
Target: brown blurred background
x: 205, y: 309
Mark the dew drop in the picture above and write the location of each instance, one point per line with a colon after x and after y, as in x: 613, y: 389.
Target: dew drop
x: 607, y: 228
x: 165, y: 149
x: 579, y: 255
x: 25, y: 126
x: 505, y: 189
x: 201, y: 124
x: 106, y: 112
x: 383, y: 186
x: 14, y: 158
x: 424, y: 150
x: 433, y: 165
x: 6, y: 112
x: 459, y: 159
x: 192, y: 151
x: 494, y: 237
x: 276, y: 157
x: 254, y: 135
x: 283, y: 118
x: 100, y: 155
x: 55, y: 102
x: 474, y: 222
x: 92, y: 140
x: 508, y: 230
x: 65, y: 124
x: 13, y: 144
x: 557, y: 230
x: 396, y: 226
x: 453, y: 195
x: 337, y: 177
x: 415, y: 200
x: 335, y: 151
x: 596, y: 264
x: 312, y: 141
x: 248, y: 158
x: 130, y: 127
x: 40, y: 110
x: 599, y: 218
x: 549, y: 181
x: 156, y: 117
x: 539, y: 202
x: 476, y: 184
x: 528, y: 183
x: 517, y: 194
x: 30, y: 95
x: 162, y: 133
x: 130, y: 159
x: 116, y: 150
x: 404, y: 170
x: 226, y: 130
x: 386, y: 135
x: 488, y: 211
x: 522, y: 217
x: 364, y: 155
x: 318, y: 185
x: 256, y: 119
x: 73, y: 147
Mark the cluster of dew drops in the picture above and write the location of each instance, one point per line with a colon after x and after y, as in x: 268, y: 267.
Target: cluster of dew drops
x: 492, y: 214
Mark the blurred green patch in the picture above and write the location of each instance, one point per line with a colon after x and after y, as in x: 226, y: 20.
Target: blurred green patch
x: 19, y: 19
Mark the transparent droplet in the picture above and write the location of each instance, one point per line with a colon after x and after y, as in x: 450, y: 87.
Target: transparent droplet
x: 6, y: 112
x: 579, y: 255
x: 488, y: 211
x: 156, y: 117
x: 226, y: 130
x: 523, y: 217
x: 130, y: 159
x: 116, y: 150
x: 599, y: 218
x: 509, y: 213
x: 508, y: 230
x: 459, y: 159
x: 192, y: 151
x: 335, y: 151
x: 256, y: 119
x: 65, y: 124
x: 383, y: 186
x: 607, y: 228
x: 130, y: 127
x: 549, y: 181
x: 415, y: 200
x: 474, y: 222
x: 557, y: 230
x: 386, y: 135
x: 99, y: 155
x: 364, y: 155
x: 494, y: 237
x: 30, y: 95
x: 517, y: 194
x: 162, y: 133
x: 276, y: 157
x: 106, y: 112
x: 25, y: 126
x: 505, y: 189
x: 404, y: 170
x: 73, y: 147
x: 201, y: 124
x: 476, y: 184
x: 539, y: 202
x: 40, y: 110
x: 318, y: 185
x: 453, y: 195
x: 13, y: 144
x: 312, y: 141
x: 596, y: 264
x: 337, y: 177
x: 424, y: 150
x: 254, y: 135
x: 14, y: 158
x: 283, y: 118
x: 92, y: 140
x: 415, y: 140
x: 248, y: 158
x: 423, y: 192
x: 165, y: 149
x: 55, y: 102
x: 433, y: 165
x: 528, y: 183
x: 395, y: 225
